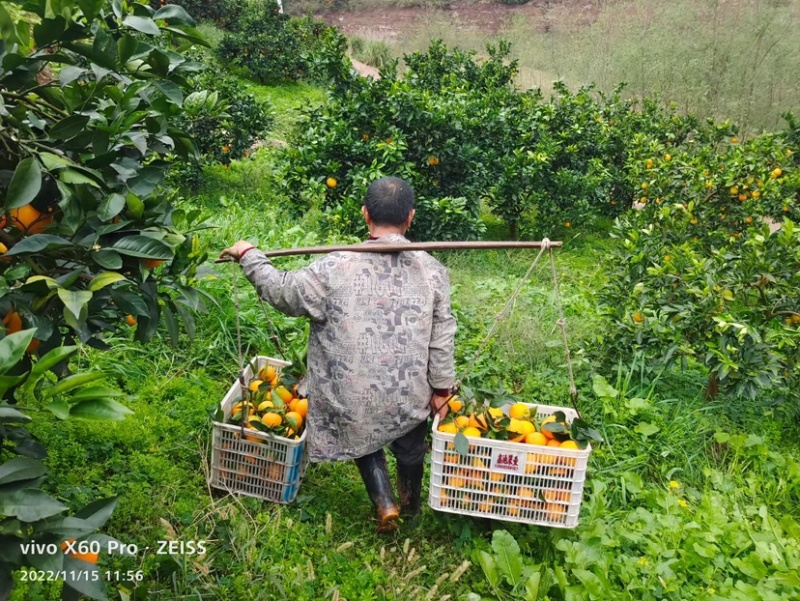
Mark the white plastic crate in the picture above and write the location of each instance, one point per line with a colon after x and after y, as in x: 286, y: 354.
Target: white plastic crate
x: 509, y: 481
x: 265, y: 466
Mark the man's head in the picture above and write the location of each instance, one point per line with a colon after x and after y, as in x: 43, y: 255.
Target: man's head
x: 389, y: 202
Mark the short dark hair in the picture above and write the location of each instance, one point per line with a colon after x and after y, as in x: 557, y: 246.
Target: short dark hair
x: 389, y: 201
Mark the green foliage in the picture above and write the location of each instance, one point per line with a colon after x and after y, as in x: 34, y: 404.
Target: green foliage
x: 27, y: 514
x: 434, y: 127
x: 509, y: 573
x: 371, y: 52
x: 700, y: 273
x: 85, y: 151
x: 223, y: 119
x: 272, y: 47
x: 222, y: 12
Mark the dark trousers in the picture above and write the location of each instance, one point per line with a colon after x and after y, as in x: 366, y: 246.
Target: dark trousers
x: 409, y: 450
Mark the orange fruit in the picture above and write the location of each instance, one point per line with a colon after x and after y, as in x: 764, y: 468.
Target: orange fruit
x: 448, y: 428
x: 88, y: 556
x: 267, y: 373
x: 638, y: 317
x: 455, y: 404
x: 271, y: 419
x: 265, y: 405
x: 570, y: 444
x: 462, y: 421
x: 130, y: 320
x: 555, y: 512
x: 29, y: 220
x: 536, y: 438
x: 300, y: 406
x: 33, y: 346
x: 13, y: 322
x: 553, y: 443
x: 295, y: 420
x: 152, y: 263
x: 3, y: 249
x: 284, y: 394
x: 254, y: 385
x: 433, y: 161
x: 519, y: 411
x: 516, y: 427
x: 471, y: 431
x: 331, y: 182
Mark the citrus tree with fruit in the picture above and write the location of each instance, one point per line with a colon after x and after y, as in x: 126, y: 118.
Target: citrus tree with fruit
x: 89, y: 95
x: 707, y: 270
x: 88, y: 99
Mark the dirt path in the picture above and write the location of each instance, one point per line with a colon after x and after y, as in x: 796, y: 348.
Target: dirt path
x: 365, y: 70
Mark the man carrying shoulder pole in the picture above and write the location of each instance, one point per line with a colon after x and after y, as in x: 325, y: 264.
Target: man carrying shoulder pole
x: 380, y: 350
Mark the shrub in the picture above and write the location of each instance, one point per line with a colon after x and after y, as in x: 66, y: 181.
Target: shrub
x: 371, y: 52
x: 223, y: 12
x: 89, y: 246
x: 273, y: 47
x: 224, y: 121
x: 699, y: 273
x: 439, y: 127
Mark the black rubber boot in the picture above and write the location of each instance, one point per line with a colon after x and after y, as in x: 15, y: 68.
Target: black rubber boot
x: 375, y: 474
x: 409, y: 489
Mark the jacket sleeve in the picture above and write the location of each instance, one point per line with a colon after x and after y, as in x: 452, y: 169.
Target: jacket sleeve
x: 441, y: 363
x: 296, y: 293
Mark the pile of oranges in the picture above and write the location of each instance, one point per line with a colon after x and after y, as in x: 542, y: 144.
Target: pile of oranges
x: 520, y: 425
x: 271, y: 404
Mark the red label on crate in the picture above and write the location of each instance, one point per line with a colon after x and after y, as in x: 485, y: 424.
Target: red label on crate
x: 508, y: 461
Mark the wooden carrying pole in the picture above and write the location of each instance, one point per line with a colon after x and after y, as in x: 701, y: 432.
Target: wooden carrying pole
x: 375, y: 247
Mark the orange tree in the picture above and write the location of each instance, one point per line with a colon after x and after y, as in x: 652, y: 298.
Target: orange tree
x: 441, y: 127
x: 89, y: 94
x: 565, y: 161
x: 272, y: 47
x: 708, y: 269
x: 88, y: 105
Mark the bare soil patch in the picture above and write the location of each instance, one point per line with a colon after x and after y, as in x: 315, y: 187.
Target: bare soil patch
x: 393, y: 24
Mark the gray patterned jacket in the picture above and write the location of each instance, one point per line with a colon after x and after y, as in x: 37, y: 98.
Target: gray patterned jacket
x: 381, y: 340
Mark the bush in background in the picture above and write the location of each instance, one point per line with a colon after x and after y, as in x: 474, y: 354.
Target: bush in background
x: 224, y: 120
x: 272, y: 47
x: 222, y: 12
x: 438, y: 127
x: 375, y: 53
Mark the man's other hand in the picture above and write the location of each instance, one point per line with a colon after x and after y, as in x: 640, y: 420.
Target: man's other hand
x: 439, y: 406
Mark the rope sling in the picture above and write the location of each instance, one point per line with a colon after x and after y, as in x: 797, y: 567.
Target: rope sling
x: 546, y: 245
